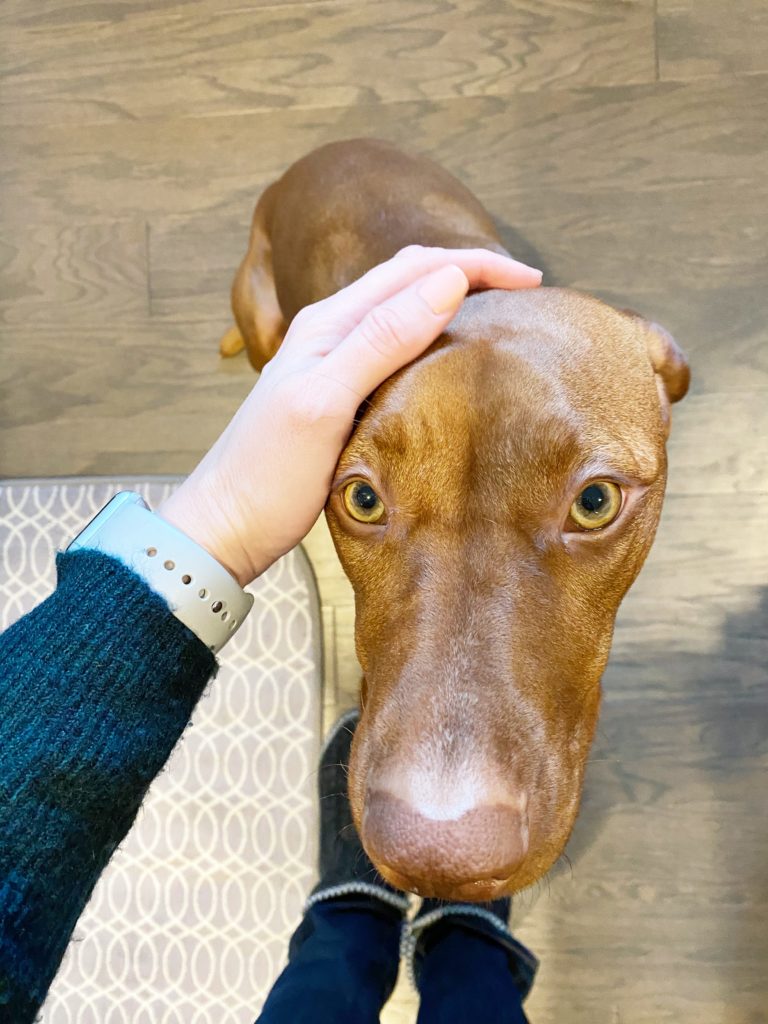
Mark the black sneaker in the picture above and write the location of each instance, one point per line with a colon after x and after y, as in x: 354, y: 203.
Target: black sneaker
x: 345, y: 869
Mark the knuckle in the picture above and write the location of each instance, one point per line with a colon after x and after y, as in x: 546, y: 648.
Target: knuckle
x: 319, y: 319
x: 308, y: 402
x: 409, y: 250
x: 384, y: 328
x: 304, y: 317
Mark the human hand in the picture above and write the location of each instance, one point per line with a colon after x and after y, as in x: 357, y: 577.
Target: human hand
x: 262, y: 485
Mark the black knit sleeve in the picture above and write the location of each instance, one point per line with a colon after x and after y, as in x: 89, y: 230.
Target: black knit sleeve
x: 96, y: 686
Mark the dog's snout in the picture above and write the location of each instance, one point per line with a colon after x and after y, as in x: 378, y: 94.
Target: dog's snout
x: 467, y: 856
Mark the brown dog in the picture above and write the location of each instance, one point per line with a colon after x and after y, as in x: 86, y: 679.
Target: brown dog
x: 492, y: 508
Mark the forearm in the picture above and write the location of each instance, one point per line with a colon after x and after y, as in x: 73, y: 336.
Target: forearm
x: 97, y: 685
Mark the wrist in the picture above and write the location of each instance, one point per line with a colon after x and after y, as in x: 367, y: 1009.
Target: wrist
x: 192, y: 510
x: 197, y: 587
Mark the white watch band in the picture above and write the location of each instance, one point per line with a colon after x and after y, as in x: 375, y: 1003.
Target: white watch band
x: 199, y: 590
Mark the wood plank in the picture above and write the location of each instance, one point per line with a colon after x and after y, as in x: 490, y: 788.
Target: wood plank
x: 629, y: 138
x: 634, y: 244
x: 714, y: 305
x: 707, y: 38
x: 644, y: 239
x: 74, y: 273
x: 695, y: 623
x: 335, y: 588
x: 349, y: 671
x: 660, y: 915
x: 330, y: 694
x: 194, y: 259
x: 719, y: 446
x: 89, y: 374
x: 67, y: 12
x: 722, y: 331
x: 403, y: 1007
x: 119, y: 399
x: 681, y: 256
x: 338, y: 598
x: 154, y: 62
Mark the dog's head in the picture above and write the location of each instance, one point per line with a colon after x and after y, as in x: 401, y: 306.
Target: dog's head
x: 492, y: 508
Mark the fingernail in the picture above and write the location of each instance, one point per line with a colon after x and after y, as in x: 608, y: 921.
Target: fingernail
x: 527, y: 267
x: 444, y: 289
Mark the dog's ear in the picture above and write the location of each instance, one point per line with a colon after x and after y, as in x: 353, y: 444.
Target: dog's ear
x: 668, y: 361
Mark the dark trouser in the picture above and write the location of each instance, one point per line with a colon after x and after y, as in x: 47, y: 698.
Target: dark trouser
x: 343, y: 963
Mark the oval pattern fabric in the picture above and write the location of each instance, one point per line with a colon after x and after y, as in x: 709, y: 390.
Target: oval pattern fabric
x: 190, y: 922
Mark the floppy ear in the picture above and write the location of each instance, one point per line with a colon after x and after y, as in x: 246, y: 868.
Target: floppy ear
x: 668, y: 361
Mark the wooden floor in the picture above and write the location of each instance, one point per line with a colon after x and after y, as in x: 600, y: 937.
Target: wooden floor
x: 622, y: 145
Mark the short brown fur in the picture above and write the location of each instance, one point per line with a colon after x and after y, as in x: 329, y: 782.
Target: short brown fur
x: 483, y: 621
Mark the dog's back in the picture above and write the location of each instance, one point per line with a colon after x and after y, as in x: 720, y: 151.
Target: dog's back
x: 350, y: 205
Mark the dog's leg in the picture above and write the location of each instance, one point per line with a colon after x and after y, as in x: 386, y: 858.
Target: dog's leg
x: 260, y: 322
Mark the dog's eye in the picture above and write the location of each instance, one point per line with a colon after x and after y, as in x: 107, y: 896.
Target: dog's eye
x: 362, y: 502
x: 597, y: 505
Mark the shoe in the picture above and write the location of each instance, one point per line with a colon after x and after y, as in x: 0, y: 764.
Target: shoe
x: 345, y: 869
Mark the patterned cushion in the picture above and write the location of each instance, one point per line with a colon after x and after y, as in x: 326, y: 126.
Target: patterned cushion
x: 191, y: 919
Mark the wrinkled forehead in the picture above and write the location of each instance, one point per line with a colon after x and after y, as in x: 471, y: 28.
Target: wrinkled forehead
x: 538, y: 382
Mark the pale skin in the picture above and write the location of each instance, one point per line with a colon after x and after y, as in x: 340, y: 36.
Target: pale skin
x: 263, y: 484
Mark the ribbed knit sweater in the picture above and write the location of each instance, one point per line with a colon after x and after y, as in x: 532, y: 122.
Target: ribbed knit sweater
x: 96, y: 686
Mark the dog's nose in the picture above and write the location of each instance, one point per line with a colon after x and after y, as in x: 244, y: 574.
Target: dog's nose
x: 440, y: 856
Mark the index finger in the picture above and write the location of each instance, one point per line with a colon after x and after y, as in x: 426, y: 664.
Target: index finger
x: 483, y: 269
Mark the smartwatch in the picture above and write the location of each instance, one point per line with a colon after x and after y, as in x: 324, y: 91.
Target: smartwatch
x: 198, y: 589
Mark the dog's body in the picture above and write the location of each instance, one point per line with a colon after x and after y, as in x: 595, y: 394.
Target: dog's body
x: 485, y: 607
x: 334, y: 215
